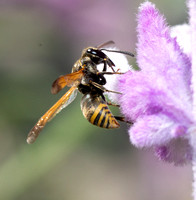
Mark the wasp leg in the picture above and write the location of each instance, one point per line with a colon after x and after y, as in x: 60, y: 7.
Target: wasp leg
x: 112, y: 104
x: 104, y: 66
x: 103, y: 88
x: 122, y: 119
x: 110, y: 63
x: 110, y: 73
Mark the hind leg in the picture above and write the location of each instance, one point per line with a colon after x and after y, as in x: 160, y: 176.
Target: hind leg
x: 122, y: 119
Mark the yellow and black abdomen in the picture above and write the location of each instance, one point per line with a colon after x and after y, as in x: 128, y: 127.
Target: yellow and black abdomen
x: 96, y: 111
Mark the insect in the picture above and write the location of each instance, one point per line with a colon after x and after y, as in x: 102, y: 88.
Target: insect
x: 86, y: 78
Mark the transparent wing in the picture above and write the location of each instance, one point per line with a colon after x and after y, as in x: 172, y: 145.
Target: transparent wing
x: 64, y: 101
x: 70, y: 96
x: 105, y: 44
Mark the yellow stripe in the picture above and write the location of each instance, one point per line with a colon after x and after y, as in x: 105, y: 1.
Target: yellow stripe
x: 92, y: 119
x: 101, y: 117
x: 111, y: 119
x: 106, y: 121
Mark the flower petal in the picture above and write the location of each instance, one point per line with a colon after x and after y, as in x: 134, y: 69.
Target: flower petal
x: 158, y: 52
x: 155, y: 130
x: 182, y: 33
x: 177, y: 151
x: 192, y: 22
x: 158, y: 98
x: 147, y: 95
x: 163, y: 84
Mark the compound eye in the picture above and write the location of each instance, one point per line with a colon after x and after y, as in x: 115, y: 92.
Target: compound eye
x: 91, y: 51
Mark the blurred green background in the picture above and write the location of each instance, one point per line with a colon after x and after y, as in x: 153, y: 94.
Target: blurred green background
x: 40, y: 40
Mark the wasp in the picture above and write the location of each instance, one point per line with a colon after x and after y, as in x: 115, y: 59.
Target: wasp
x: 86, y: 79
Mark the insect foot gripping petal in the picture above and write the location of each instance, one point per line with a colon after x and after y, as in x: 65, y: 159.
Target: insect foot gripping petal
x: 33, y: 134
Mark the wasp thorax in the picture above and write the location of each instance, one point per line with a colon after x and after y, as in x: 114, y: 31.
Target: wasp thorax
x: 77, y: 66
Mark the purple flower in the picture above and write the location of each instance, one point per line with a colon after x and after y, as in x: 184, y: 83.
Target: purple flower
x: 159, y: 98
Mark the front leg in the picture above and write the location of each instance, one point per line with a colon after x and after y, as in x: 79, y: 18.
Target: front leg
x: 109, y: 73
x: 103, y: 88
x: 112, y: 104
x: 122, y: 119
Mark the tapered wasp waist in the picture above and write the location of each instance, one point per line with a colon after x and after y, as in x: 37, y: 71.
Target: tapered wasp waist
x: 96, y: 111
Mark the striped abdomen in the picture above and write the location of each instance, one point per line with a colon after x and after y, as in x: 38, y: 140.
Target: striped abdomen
x: 96, y: 111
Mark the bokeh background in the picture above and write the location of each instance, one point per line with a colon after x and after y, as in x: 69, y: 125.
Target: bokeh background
x: 40, y: 40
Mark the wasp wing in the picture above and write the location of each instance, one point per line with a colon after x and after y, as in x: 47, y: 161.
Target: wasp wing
x: 105, y: 44
x: 67, y: 80
x: 64, y: 101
